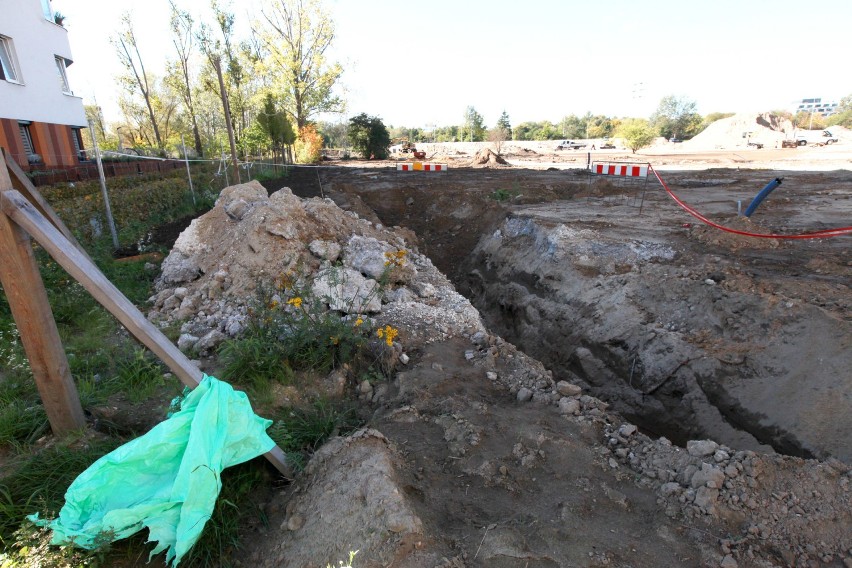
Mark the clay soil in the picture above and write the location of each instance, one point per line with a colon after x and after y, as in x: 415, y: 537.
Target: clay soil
x: 484, y: 480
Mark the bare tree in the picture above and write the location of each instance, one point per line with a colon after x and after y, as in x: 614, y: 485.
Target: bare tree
x: 136, y: 78
x: 497, y: 136
x: 183, y: 40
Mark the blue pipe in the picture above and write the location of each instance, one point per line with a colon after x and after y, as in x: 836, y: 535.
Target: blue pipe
x: 762, y: 195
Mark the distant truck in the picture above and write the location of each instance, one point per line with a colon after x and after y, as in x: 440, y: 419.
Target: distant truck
x: 824, y: 138
x: 570, y: 145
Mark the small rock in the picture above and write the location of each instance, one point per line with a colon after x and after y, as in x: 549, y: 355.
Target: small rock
x: 701, y: 448
x: 569, y: 405
x: 295, y: 522
x: 365, y: 387
x: 491, y: 376
x: 567, y: 389
x: 627, y: 430
x: 670, y: 488
x: 186, y: 341
x: 705, y: 497
x: 404, y: 359
x: 524, y: 394
x: 729, y: 562
x: 469, y: 355
x: 709, y: 476
x: 721, y: 455
x: 423, y: 289
x: 710, y: 282
x: 327, y: 250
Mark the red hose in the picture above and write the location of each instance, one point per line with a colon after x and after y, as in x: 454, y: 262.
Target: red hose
x: 814, y: 235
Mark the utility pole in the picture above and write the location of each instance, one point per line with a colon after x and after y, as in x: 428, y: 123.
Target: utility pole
x: 217, y: 63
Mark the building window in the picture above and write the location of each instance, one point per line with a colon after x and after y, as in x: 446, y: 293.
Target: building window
x: 63, y: 78
x: 8, y: 67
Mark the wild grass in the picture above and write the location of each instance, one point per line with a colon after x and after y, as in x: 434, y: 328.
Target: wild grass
x: 299, y: 432
x: 37, y: 482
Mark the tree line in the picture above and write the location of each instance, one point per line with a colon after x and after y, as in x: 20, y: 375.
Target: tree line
x: 258, y: 94
x: 261, y: 96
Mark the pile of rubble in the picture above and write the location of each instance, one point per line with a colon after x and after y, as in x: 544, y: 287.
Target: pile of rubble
x: 210, y: 278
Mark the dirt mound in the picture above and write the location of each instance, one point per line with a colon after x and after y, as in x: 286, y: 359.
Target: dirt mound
x: 486, y: 158
x: 738, y: 130
x: 733, y: 241
x: 250, y: 239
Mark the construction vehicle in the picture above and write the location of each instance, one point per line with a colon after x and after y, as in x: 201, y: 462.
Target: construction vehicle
x: 816, y: 138
x: 401, y: 145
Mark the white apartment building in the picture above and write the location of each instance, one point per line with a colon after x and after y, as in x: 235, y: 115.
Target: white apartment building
x: 40, y: 116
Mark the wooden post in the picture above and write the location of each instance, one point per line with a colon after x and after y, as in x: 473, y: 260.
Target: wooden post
x: 28, y: 301
x: 90, y: 277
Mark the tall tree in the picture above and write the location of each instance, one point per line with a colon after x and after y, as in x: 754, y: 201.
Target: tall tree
x: 275, y: 125
x: 474, y: 125
x: 676, y: 117
x: 136, y: 78
x: 369, y: 136
x: 183, y: 40
x: 636, y: 133
x: 296, y: 35
x: 505, y: 126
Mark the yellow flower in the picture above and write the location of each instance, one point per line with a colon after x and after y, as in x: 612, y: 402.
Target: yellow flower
x: 395, y: 258
x: 273, y: 304
x: 358, y: 322
x: 388, y: 333
x: 297, y: 302
x: 334, y: 340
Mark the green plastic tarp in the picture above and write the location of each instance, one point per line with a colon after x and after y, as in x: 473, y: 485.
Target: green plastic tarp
x: 166, y: 480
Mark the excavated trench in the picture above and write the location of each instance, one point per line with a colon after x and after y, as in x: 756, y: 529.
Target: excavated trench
x: 685, y: 345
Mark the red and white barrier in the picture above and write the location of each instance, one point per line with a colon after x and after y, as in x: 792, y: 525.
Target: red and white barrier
x: 620, y: 169
x: 420, y: 167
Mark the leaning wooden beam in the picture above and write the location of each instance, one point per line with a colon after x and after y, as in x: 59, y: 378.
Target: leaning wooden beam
x: 87, y: 274
x: 30, y: 308
x: 22, y: 183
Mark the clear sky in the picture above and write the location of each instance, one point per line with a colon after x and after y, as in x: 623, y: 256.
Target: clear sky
x: 416, y: 63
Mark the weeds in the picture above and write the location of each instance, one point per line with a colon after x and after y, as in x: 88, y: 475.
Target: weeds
x: 501, y: 195
x: 139, y: 375
x: 38, y: 482
x: 255, y: 361
x: 221, y: 535
x: 300, y: 431
x: 291, y: 328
